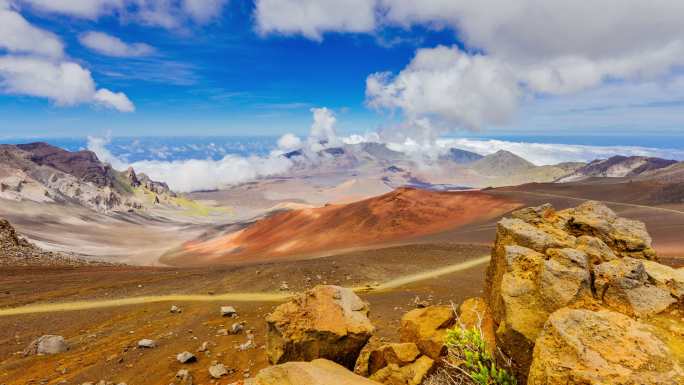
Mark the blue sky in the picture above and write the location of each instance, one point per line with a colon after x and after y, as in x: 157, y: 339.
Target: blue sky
x: 248, y: 71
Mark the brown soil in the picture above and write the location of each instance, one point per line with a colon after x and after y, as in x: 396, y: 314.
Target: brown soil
x: 103, y: 340
x: 400, y: 215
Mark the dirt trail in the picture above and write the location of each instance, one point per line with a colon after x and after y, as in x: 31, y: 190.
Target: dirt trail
x: 663, y: 209
x: 232, y: 297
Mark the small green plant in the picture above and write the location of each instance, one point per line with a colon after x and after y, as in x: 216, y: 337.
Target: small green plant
x: 468, y: 354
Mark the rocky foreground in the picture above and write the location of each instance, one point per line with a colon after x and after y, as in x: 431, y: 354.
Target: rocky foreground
x: 572, y: 297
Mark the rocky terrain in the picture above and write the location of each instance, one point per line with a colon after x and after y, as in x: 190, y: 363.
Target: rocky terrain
x: 576, y: 296
x: 43, y: 173
x: 618, y: 166
x: 17, y: 251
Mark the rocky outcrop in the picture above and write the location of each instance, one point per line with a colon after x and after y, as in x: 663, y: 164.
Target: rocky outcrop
x: 581, y: 346
x: 427, y: 328
x: 316, y: 372
x: 41, y: 173
x: 577, y: 290
x: 325, y: 322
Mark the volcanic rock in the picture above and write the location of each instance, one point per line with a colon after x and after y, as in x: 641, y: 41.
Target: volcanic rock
x: 623, y: 284
x: 183, y: 377
x: 218, y: 371
x: 580, y: 346
x: 228, y: 311
x: 316, y: 372
x: 400, y: 354
x: 47, y: 344
x: 186, y: 357
x: 427, y: 327
x: 474, y: 313
x: 566, y: 279
x: 325, y: 322
x: 146, y: 343
x: 411, y: 374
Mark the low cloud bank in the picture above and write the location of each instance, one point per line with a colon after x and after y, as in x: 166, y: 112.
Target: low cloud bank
x: 188, y: 175
x: 537, y: 153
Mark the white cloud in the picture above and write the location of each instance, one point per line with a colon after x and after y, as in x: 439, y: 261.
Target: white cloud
x: 312, y: 18
x: 113, y: 46
x: 89, y: 9
x: 444, y: 85
x: 116, y: 100
x: 322, y: 131
x: 553, y: 153
x: 197, y: 174
x: 289, y: 142
x: 65, y: 83
x: 203, y: 11
x: 17, y: 35
x: 164, y: 13
x: 554, y: 47
x: 36, y: 66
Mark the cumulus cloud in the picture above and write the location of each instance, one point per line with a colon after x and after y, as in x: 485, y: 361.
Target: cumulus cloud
x: 195, y: 174
x: 448, y: 85
x: 35, y: 65
x: 289, y: 142
x: 312, y: 18
x: 64, y: 82
x: 322, y: 131
x: 18, y: 35
x: 552, y: 47
x: 116, y: 100
x: 113, y: 46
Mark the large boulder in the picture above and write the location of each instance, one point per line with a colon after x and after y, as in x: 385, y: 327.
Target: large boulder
x: 325, y: 322
x: 580, y: 346
x: 427, y: 328
x: 316, y: 372
x: 547, y: 262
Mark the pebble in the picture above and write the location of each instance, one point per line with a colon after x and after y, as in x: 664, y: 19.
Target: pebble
x: 175, y: 309
x: 147, y: 343
x: 228, y: 311
x: 217, y: 371
x: 186, y: 357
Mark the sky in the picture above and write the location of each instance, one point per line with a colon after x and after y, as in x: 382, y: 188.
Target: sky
x: 402, y: 68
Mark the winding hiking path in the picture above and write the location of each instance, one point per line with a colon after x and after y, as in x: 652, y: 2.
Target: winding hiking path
x: 232, y: 297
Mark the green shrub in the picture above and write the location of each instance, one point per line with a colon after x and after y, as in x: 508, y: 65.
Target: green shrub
x: 468, y: 354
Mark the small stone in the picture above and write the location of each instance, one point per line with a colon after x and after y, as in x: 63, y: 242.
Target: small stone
x: 247, y: 345
x: 284, y: 286
x: 47, y: 344
x: 222, y: 332
x: 175, y: 309
x: 147, y: 343
x: 236, y: 328
x: 217, y: 371
x: 204, y: 347
x: 228, y: 311
x: 183, y: 377
x: 186, y: 357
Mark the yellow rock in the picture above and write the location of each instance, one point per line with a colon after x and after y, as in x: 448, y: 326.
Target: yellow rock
x: 426, y: 328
